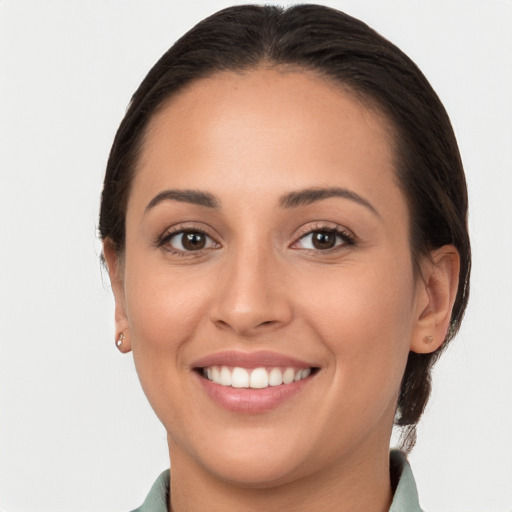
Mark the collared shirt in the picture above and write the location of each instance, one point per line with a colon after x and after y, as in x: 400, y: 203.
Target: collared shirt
x: 405, y: 497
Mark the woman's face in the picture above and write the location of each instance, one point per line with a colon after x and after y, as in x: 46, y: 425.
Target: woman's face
x: 267, y: 239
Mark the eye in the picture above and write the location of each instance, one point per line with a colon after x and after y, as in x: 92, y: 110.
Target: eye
x: 323, y: 239
x: 188, y: 241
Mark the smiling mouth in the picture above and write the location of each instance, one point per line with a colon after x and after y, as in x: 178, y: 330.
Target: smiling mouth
x: 254, y: 378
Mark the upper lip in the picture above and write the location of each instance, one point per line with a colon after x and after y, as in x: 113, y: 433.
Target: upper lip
x: 260, y: 358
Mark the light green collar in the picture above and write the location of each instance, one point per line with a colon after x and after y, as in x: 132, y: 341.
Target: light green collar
x: 405, y: 498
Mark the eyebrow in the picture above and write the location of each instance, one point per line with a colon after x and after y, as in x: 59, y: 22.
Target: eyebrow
x: 185, y: 196
x: 311, y: 195
x: 290, y: 200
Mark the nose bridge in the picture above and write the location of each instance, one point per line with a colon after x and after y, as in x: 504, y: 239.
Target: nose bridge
x: 251, y: 297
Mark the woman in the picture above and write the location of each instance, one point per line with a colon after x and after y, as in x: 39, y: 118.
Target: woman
x: 284, y: 224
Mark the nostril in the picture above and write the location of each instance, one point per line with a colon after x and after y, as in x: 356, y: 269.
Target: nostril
x: 248, y: 321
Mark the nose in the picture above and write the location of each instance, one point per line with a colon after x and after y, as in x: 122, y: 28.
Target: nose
x: 252, y: 297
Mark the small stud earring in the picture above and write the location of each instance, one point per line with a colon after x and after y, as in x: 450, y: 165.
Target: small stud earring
x: 428, y: 339
x: 120, y: 340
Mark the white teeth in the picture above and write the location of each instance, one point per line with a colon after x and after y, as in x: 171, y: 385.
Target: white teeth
x: 225, y: 376
x: 240, y: 378
x: 275, y: 377
x: 259, y: 378
x: 288, y: 375
x: 305, y: 373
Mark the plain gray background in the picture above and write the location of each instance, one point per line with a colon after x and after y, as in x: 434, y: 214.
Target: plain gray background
x: 76, y: 433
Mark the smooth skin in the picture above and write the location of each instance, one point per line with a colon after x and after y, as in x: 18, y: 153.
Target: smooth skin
x: 259, y: 282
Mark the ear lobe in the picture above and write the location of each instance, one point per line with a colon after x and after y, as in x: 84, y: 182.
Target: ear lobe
x: 438, y: 289
x: 115, y: 271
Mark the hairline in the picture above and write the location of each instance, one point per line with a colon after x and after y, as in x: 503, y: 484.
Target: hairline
x: 366, y: 101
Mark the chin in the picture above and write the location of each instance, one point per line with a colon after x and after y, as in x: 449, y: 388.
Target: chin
x: 262, y: 459
x: 257, y: 471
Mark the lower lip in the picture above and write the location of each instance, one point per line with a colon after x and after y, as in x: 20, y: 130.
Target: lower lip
x: 252, y: 401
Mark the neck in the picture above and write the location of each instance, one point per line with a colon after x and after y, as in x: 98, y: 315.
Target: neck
x: 360, y: 481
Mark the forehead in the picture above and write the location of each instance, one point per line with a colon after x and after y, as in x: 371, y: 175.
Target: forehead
x: 265, y: 128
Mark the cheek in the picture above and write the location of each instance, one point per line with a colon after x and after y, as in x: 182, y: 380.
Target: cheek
x: 164, y: 313
x: 163, y: 308
x: 365, y: 318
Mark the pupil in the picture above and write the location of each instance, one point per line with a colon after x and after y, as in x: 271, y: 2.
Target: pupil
x: 324, y: 240
x: 193, y: 241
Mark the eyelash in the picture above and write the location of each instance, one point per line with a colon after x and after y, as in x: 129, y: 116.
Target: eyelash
x: 346, y: 237
x: 163, y: 241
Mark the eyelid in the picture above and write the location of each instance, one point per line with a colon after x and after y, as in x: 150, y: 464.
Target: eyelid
x: 184, y: 227
x: 323, y: 226
x: 348, y: 237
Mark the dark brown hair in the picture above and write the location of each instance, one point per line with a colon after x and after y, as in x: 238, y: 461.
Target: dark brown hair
x: 345, y: 51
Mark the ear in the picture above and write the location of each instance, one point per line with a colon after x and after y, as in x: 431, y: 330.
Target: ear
x: 115, y: 271
x: 436, y: 292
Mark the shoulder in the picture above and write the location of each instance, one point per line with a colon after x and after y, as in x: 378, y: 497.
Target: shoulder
x: 158, y: 497
x: 405, y: 497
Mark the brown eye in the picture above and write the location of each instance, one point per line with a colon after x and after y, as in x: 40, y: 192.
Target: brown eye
x: 323, y: 239
x: 193, y: 241
x: 188, y: 241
